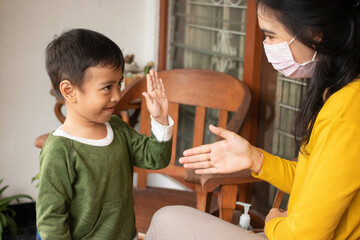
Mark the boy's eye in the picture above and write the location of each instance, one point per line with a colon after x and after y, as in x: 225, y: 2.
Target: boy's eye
x: 107, y: 88
x: 121, y: 80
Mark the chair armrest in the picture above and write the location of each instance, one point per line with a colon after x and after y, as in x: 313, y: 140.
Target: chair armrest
x: 210, y: 181
x: 191, y: 177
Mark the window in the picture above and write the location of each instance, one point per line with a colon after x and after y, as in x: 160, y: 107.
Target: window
x: 207, y: 34
x: 287, y: 100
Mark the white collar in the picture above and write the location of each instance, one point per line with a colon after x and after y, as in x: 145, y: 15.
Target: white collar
x: 95, y: 142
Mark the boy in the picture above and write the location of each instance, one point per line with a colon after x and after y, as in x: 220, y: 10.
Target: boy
x: 87, y: 163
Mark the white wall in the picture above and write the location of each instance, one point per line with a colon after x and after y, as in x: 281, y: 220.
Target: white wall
x: 26, y: 107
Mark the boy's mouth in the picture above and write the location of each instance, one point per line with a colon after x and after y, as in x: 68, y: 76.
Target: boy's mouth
x: 110, y: 109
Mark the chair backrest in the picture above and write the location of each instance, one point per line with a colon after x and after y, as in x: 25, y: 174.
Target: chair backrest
x: 200, y: 88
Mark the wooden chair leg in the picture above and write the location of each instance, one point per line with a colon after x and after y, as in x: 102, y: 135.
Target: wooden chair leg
x: 141, y: 179
x: 245, y: 192
x: 227, y: 201
x: 203, y: 199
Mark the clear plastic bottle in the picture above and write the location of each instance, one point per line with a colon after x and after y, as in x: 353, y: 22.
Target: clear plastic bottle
x: 244, y: 221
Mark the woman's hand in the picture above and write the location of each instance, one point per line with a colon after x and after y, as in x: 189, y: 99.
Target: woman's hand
x: 232, y: 154
x: 275, y: 212
x: 156, y: 99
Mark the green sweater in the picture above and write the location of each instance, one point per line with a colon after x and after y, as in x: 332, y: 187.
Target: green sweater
x: 86, y: 191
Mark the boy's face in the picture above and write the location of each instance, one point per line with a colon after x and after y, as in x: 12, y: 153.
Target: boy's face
x: 99, y: 94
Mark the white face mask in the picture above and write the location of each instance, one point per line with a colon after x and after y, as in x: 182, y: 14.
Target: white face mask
x: 280, y: 56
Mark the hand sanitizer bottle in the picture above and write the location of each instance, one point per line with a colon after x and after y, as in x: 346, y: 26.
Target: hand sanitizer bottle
x: 245, y: 217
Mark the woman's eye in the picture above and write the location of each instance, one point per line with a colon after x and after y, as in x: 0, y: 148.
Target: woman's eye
x: 269, y: 37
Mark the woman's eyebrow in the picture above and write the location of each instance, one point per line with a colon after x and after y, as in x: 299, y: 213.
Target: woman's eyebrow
x: 267, y: 31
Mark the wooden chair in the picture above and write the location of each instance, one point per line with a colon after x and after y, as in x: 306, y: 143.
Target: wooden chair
x: 203, y: 89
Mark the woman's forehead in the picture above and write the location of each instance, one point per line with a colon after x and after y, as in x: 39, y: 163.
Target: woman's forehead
x: 268, y: 20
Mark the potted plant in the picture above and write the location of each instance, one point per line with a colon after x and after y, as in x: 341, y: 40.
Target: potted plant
x: 7, y: 214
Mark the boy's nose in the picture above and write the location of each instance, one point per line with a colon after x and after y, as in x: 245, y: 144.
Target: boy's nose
x: 116, y: 95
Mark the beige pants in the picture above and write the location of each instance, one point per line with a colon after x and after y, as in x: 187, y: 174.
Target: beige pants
x: 186, y: 223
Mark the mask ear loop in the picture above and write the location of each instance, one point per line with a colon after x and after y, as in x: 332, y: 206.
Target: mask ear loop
x: 314, y: 56
x: 292, y: 40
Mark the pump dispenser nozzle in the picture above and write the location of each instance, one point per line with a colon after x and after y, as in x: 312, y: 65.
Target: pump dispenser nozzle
x: 245, y: 217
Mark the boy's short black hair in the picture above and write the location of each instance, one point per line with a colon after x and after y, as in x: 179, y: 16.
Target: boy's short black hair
x: 70, y: 54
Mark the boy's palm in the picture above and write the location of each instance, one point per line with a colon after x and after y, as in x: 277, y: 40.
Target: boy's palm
x: 156, y: 99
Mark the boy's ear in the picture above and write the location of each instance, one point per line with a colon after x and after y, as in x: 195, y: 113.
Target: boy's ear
x: 68, y: 91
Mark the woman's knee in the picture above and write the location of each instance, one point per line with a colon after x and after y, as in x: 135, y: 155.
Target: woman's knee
x: 165, y: 223
x: 169, y: 214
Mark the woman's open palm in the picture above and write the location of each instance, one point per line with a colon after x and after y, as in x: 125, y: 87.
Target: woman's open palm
x: 231, y: 154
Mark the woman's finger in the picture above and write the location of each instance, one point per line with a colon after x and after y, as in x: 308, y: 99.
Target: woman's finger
x: 202, y: 165
x: 197, y: 150
x: 207, y: 170
x: 220, y: 131
x: 195, y: 158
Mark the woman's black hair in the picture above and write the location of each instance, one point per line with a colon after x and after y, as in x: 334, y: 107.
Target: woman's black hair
x: 69, y: 55
x: 336, y: 23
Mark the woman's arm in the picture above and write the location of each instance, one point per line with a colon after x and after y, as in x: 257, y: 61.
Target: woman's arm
x: 233, y: 154
x: 329, y: 183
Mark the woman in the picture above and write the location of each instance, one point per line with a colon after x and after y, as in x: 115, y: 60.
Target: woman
x: 320, y: 40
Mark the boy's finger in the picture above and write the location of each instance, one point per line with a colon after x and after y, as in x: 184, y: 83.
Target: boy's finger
x: 154, y: 79
x: 158, y: 84
x: 148, y: 99
x: 149, y: 83
x: 197, y: 150
x: 162, y: 85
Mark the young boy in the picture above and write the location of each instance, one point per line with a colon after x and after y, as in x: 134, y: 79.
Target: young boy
x: 87, y: 163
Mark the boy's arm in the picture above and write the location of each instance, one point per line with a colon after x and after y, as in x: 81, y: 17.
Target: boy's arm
x: 162, y: 132
x: 53, y: 197
x: 152, y: 152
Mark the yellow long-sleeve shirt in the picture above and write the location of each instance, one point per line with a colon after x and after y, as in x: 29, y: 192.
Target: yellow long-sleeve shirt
x: 324, y: 186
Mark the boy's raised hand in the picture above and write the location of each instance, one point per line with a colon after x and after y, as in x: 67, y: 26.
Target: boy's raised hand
x: 156, y: 99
